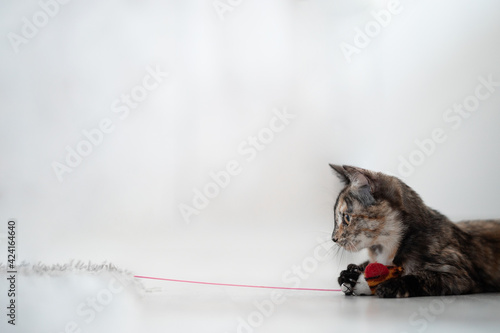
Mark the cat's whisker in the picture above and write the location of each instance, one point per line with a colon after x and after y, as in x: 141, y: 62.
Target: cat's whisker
x: 319, y: 231
x: 320, y: 243
x: 328, y: 242
x: 337, y: 250
x: 333, y: 251
x: 341, y: 257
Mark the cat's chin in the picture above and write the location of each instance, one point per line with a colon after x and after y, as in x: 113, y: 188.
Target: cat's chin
x: 352, y: 248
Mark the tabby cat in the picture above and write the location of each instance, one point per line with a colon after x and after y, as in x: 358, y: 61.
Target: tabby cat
x: 439, y: 257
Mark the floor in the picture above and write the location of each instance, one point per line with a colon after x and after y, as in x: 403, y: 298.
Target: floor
x: 115, y: 302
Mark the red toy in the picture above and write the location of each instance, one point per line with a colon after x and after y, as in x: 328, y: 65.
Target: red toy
x: 376, y: 273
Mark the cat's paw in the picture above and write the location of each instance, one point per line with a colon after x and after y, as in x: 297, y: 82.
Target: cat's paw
x: 349, y: 278
x: 394, y: 288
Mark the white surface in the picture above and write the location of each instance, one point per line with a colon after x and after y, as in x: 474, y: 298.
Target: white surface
x: 121, y: 204
x: 49, y: 304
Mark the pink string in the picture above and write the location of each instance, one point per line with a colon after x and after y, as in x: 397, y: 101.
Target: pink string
x: 231, y: 285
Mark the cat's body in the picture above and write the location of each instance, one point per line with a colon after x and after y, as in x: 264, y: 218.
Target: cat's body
x: 439, y: 257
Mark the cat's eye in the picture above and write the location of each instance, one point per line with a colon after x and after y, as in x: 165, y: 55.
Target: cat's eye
x: 347, y: 219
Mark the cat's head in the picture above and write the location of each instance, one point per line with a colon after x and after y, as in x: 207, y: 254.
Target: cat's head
x: 367, y: 213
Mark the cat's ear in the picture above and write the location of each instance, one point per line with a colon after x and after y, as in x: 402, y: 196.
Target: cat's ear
x: 358, y: 177
x: 362, y: 182
x: 351, y: 175
x: 341, y: 173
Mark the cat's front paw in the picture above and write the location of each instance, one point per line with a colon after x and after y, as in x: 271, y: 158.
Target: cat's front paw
x: 406, y: 286
x: 348, y: 279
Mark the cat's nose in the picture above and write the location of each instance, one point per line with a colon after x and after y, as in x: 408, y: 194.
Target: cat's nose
x: 335, y: 239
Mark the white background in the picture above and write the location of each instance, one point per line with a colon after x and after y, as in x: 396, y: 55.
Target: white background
x: 227, y: 73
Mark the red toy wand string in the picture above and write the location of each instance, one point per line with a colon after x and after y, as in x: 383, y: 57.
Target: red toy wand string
x: 231, y: 285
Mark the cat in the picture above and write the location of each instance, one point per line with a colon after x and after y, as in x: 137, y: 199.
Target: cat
x: 383, y: 214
